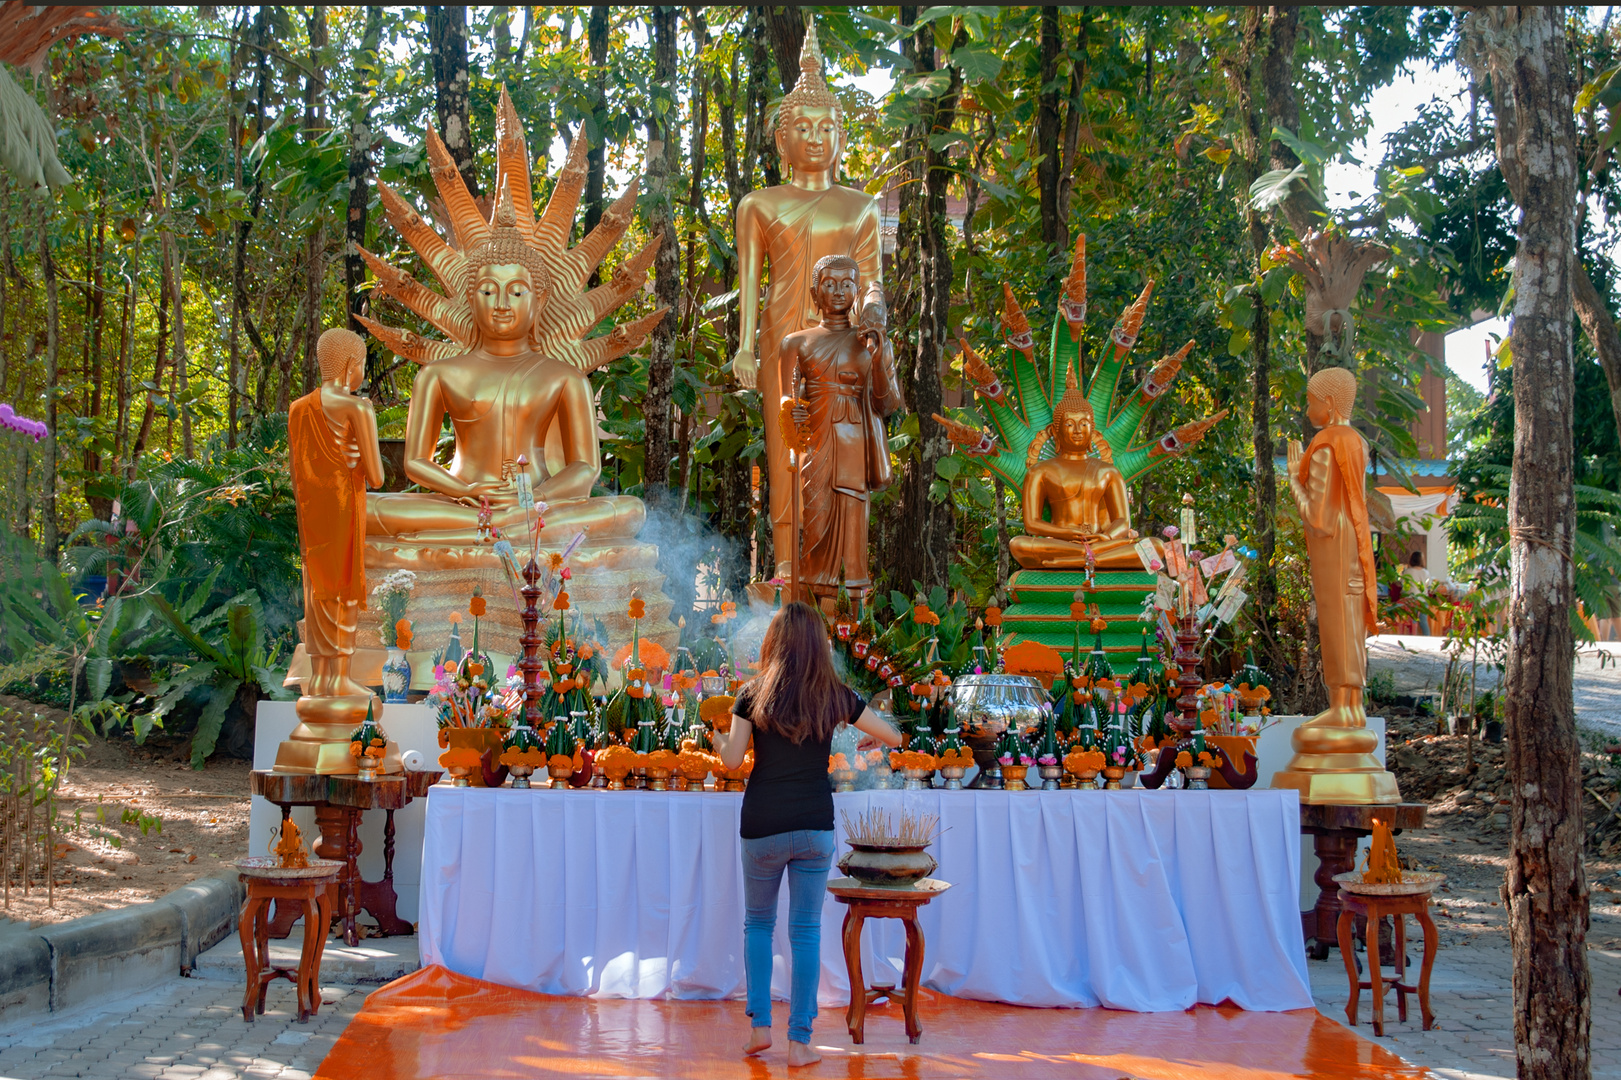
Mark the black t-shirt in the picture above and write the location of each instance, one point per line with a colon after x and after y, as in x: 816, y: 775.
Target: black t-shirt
x: 788, y: 788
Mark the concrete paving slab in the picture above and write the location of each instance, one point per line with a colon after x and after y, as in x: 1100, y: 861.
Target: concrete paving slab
x: 372, y: 962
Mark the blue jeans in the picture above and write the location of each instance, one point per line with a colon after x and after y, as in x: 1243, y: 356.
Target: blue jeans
x: 806, y: 855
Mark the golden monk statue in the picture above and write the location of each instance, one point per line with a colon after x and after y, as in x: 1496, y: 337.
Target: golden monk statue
x: 791, y: 227
x: 1084, y: 495
x: 849, y: 383
x: 513, y: 379
x: 332, y: 450
x: 1334, y: 760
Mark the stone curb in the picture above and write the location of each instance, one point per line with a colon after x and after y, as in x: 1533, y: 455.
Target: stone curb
x: 51, y: 968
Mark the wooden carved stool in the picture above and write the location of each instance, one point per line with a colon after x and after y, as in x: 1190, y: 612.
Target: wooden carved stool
x: 1373, y: 909
x: 865, y: 903
x: 309, y: 890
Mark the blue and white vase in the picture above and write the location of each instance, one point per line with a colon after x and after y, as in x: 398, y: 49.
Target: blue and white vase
x: 396, y: 675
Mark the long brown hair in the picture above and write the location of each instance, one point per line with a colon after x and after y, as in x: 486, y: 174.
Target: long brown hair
x: 798, y: 693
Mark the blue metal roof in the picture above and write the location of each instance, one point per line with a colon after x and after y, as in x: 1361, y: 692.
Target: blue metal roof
x: 1413, y: 466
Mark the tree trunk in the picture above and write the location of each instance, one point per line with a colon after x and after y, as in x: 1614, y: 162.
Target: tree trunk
x: 126, y: 350
x: 99, y: 505
x: 315, y: 243
x: 1545, y: 891
x: 785, y: 28
x: 145, y: 431
x: 925, y: 533
x: 596, y: 39
x: 360, y: 146
x: 662, y: 159
x: 47, y: 267
x: 178, y: 361
x: 1054, y: 229
x: 256, y: 38
x: 452, y: 82
x: 1600, y: 329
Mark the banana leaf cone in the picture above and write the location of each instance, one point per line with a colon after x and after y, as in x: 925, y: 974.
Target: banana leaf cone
x: 560, y: 739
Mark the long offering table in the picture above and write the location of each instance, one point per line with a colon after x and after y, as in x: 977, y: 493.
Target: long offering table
x: 1141, y: 900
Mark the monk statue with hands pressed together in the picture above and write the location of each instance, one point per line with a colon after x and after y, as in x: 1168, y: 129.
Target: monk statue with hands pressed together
x: 333, y: 457
x: 1334, y: 760
x: 1075, y: 503
x: 848, y: 378
x: 791, y: 228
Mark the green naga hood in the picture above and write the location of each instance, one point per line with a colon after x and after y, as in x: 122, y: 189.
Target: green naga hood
x: 1021, y: 415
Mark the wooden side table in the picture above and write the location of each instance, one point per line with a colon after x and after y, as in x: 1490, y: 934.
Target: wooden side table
x: 339, y: 802
x: 309, y: 889
x: 1373, y: 909
x: 1335, y: 829
x: 865, y: 903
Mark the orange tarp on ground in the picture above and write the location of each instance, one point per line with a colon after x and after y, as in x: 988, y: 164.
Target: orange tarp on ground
x: 437, y: 1025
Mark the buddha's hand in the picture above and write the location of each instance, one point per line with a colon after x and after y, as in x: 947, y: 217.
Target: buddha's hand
x: 493, y: 490
x: 746, y: 369
x: 1295, y: 454
x: 874, y: 316
x: 800, y: 413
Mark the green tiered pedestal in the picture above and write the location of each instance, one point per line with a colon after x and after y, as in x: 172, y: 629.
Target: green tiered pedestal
x: 1040, y: 611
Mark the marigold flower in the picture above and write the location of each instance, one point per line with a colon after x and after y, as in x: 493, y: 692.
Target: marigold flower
x: 921, y: 614
x: 455, y: 616
x: 561, y: 603
x: 993, y: 616
x: 637, y: 607
x: 476, y: 606
x: 1077, y: 611
x: 1184, y: 759
x: 1099, y: 625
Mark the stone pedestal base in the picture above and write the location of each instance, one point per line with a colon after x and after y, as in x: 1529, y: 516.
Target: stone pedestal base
x: 1360, y: 787
x: 603, y: 579
x: 319, y: 745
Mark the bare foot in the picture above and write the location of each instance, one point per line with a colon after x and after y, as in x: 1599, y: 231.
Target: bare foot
x: 801, y: 1054
x: 759, y: 1039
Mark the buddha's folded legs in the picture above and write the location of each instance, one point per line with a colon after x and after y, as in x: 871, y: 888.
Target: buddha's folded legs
x: 426, y: 517
x: 1051, y: 553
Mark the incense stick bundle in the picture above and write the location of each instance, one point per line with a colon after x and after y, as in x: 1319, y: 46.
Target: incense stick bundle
x: 878, y: 828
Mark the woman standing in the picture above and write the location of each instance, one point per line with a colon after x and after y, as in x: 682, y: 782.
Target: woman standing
x: 791, y: 708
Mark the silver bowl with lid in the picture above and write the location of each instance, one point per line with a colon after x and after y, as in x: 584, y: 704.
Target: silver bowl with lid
x: 987, y: 705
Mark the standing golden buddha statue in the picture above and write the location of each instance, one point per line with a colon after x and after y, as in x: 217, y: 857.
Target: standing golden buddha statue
x: 513, y: 380
x: 790, y: 228
x: 848, y: 377
x: 1334, y: 760
x: 333, y: 457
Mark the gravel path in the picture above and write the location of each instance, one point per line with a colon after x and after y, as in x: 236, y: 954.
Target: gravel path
x: 1418, y: 665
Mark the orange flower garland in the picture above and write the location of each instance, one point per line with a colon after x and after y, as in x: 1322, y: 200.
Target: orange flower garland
x: 911, y: 759
x: 535, y: 759
x: 1082, y: 762
x: 476, y: 606
x: 717, y: 712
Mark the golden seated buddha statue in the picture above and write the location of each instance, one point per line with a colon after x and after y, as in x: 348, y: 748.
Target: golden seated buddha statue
x: 514, y: 382
x: 1075, y: 504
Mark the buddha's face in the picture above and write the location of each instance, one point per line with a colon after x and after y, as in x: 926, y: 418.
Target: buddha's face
x: 1074, y: 432
x: 1319, y: 410
x: 354, y: 371
x: 504, y: 302
x: 810, y: 138
x: 835, y: 291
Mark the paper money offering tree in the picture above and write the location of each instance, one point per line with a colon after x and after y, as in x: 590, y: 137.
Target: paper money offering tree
x: 1023, y: 415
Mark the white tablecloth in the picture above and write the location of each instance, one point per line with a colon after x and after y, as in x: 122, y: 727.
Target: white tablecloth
x: 1142, y: 900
